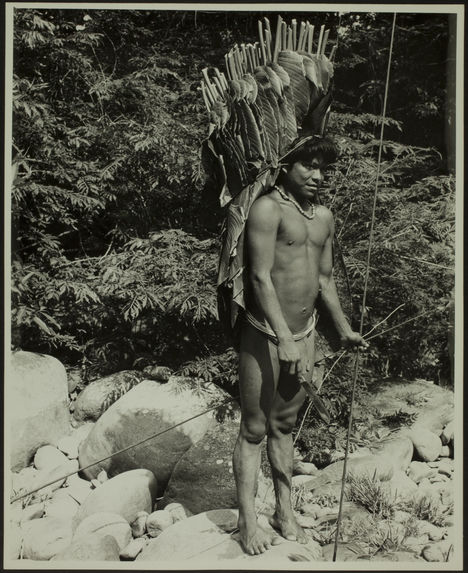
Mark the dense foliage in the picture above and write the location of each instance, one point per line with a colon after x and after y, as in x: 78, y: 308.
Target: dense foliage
x: 115, y: 232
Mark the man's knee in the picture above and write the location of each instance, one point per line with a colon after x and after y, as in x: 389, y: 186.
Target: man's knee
x: 282, y: 426
x: 253, y: 430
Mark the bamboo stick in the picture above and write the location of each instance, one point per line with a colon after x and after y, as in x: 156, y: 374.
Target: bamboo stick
x: 310, y: 39
x: 232, y: 66
x: 262, y: 41
x: 205, y: 97
x: 277, y: 39
x: 224, y: 81
x: 211, y: 88
x: 332, y: 53
x: 284, y: 33
x: 221, y: 78
x: 319, y: 45
x: 209, y: 94
x: 301, y: 36
x: 268, y: 44
x: 244, y: 56
x: 219, y: 86
x: 324, y: 43
x: 226, y: 62
x: 237, y: 62
x: 294, y: 32
x: 290, y: 45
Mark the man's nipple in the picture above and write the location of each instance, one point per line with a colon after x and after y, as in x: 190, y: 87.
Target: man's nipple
x: 290, y: 242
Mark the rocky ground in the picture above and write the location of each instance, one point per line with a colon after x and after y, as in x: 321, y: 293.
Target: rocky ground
x: 173, y: 498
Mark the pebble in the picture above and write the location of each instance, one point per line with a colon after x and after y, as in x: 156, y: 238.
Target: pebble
x: 447, y: 433
x: 446, y: 467
x: 304, y: 468
x: 106, y: 523
x: 445, y: 452
x: 139, y: 524
x: 178, y: 511
x: 102, y: 476
x: 401, y: 516
x: 69, y: 446
x: 438, y: 552
x: 417, y: 471
x: 130, y: 552
x: 48, y: 458
x: 158, y: 521
x: 434, y: 533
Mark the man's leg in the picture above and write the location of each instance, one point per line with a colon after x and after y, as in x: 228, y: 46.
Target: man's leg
x: 288, y: 400
x: 258, y: 374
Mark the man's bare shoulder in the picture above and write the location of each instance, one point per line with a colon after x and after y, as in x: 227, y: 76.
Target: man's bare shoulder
x: 325, y: 214
x: 265, y: 209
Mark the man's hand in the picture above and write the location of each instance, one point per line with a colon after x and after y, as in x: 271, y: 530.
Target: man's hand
x: 289, y: 357
x: 354, y: 339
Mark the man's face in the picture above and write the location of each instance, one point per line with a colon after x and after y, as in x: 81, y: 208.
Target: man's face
x: 303, y: 178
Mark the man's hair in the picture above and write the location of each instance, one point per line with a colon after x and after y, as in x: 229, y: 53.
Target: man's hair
x: 323, y: 146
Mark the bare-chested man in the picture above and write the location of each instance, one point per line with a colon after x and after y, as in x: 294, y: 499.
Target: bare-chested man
x: 289, y: 247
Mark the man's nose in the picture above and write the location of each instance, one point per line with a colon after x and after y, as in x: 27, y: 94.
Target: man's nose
x: 317, y: 175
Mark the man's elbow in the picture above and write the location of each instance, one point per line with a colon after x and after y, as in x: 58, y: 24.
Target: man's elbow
x: 260, y: 279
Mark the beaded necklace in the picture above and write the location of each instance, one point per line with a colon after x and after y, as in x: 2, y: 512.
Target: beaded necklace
x: 296, y: 204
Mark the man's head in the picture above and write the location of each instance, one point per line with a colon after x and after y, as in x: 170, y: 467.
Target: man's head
x: 303, y: 168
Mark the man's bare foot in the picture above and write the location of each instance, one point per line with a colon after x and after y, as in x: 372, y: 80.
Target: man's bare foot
x: 289, y: 528
x: 253, y: 538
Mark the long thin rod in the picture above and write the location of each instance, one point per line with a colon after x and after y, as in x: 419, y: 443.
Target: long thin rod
x: 371, y: 237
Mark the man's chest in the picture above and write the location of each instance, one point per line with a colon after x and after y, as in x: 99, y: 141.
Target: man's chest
x: 297, y: 231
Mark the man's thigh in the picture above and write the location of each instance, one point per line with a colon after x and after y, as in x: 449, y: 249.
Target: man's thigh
x: 258, y: 372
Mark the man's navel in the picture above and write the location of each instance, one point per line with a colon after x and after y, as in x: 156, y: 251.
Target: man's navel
x: 290, y: 242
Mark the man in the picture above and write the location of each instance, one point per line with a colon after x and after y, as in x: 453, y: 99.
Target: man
x: 289, y: 252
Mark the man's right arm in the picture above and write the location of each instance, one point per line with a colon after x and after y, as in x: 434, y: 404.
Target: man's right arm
x: 262, y: 228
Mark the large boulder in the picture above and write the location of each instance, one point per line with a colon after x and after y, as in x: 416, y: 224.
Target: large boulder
x: 203, y: 479
x: 98, y: 395
x: 145, y: 410
x: 210, y: 537
x: 38, y: 405
x: 126, y: 494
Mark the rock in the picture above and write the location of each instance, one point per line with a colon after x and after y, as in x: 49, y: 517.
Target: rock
x: 306, y: 521
x: 38, y: 409
x: 345, y: 552
x: 107, y: 523
x: 433, y: 532
x: 62, y: 505
x: 45, y: 537
x: 125, y: 494
x: 158, y: 521
x: 401, y: 516
x: 54, y: 477
x: 426, y: 444
x: 34, y: 511
x: 102, y: 476
x: 445, y: 452
x: 206, y: 538
x: 302, y: 480
x: 98, y: 395
x: 304, y: 468
x: 398, y: 450
x: 432, y: 404
x: 311, y: 509
x: 48, y: 458
x: 143, y: 411
x: 78, y: 488
x: 203, y: 478
x: 418, y: 471
x: 68, y: 446
x: 74, y: 378
x: 396, y: 556
x: 445, y: 467
x: 23, y: 481
x: 158, y: 373
x: 130, y: 552
x: 447, y: 433
x: 401, y: 486
x: 138, y: 525
x: 90, y: 547
x: 416, y: 543
x: 438, y: 552
x: 178, y: 511
x: 13, y: 540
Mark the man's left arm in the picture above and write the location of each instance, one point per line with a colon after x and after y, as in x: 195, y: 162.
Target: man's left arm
x: 329, y: 294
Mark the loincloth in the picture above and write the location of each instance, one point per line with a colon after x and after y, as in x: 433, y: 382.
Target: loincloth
x: 266, y: 329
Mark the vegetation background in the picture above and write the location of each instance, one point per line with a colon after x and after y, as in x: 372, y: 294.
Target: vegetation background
x: 115, y: 229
